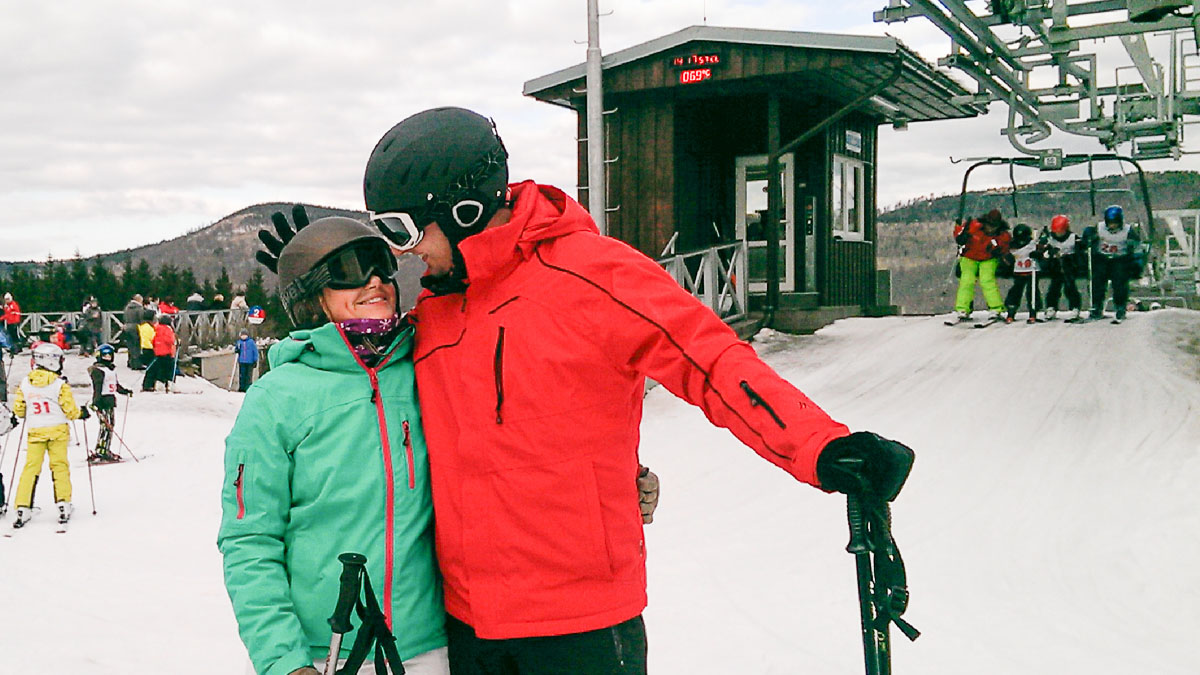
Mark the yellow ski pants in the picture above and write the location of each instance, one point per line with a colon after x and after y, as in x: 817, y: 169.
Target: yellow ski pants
x: 42, y: 441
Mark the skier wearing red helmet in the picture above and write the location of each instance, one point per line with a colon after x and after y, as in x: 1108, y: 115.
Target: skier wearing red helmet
x: 1061, y: 264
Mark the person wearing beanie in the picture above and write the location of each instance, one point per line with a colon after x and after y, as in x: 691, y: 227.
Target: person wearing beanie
x: 981, y: 243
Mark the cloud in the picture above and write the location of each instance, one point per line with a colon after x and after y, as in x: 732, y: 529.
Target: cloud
x: 129, y: 121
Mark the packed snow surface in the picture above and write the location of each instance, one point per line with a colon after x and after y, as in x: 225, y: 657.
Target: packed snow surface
x: 1050, y: 524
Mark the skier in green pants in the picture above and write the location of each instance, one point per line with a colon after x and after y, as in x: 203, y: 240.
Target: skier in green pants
x: 983, y: 242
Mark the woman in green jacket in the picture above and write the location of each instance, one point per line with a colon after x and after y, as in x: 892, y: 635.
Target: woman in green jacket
x: 327, y: 456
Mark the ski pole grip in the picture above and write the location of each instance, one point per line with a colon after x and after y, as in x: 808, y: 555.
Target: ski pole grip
x: 353, y: 566
x: 858, y: 534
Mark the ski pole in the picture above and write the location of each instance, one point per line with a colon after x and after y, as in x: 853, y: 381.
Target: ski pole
x: 353, y: 566
x: 882, y: 588
x: 121, y: 441
x: 16, y: 457
x: 91, y: 487
x: 125, y: 417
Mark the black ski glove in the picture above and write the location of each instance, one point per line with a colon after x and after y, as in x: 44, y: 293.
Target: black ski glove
x: 864, y: 462
x: 963, y: 237
x: 12, y: 419
x: 270, y: 257
x: 84, y: 413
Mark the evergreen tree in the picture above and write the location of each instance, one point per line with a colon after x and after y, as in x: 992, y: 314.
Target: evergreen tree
x: 223, y: 285
x: 106, y: 287
x: 138, y: 279
x: 209, y: 292
x: 187, y: 285
x: 79, y: 285
x: 256, y: 292
x: 167, y: 283
x: 55, y: 293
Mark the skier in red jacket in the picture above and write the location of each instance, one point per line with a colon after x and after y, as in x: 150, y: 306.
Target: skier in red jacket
x: 533, y: 343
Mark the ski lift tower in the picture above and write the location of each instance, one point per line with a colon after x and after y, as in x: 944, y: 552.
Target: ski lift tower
x: 1032, y: 56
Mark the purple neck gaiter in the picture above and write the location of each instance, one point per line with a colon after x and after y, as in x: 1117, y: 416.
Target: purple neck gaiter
x: 369, y: 338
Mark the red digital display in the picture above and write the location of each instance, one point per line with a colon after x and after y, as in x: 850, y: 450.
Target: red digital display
x: 695, y: 75
x: 694, y: 60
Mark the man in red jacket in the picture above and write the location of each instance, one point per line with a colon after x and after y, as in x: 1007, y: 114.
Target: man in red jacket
x: 533, y: 344
x: 534, y: 339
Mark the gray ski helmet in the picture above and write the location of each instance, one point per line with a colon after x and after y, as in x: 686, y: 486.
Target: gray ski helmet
x: 303, y: 273
x: 443, y: 164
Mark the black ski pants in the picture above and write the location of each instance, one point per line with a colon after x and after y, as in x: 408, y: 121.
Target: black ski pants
x: 1116, y: 270
x: 1023, y: 286
x: 616, y: 650
x: 1060, y: 284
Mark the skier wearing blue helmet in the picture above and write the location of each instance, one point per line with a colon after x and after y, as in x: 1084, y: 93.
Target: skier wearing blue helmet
x: 1112, y: 246
x: 105, y: 389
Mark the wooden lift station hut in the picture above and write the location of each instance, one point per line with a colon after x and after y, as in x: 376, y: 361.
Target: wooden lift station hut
x: 693, y: 121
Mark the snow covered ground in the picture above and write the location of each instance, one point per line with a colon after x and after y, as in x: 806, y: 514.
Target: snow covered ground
x: 1050, y: 525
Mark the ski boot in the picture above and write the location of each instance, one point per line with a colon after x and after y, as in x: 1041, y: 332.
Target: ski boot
x: 64, y: 511
x: 24, y: 513
x: 1051, y: 312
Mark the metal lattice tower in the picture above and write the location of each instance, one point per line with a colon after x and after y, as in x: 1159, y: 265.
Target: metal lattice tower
x: 1031, y: 55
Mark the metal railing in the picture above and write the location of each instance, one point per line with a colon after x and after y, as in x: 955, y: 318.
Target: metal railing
x: 716, y: 276
x: 200, y: 328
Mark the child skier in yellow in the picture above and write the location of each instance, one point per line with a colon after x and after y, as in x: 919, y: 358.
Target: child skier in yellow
x: 44, y: 399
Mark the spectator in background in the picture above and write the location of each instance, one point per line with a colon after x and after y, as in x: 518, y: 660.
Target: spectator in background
x: 130, y: 318
x: 146, y: 338
x: 152, y: 303
x: 12, y: 320
x: 247, y: 358
x: 239, y: 300
x: 218, y: 302
x: 91, y: 325
x: 167, y: 306
x: 162, y: 369
x: 194, y: 302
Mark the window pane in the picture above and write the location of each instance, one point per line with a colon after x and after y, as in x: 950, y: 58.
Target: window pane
x: 854, y: 199
x: 838, y: 216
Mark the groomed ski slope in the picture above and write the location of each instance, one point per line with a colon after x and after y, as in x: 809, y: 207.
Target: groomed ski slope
x: 1050, y: 524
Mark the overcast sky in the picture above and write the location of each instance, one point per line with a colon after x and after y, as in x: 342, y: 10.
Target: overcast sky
x: 126, y: 122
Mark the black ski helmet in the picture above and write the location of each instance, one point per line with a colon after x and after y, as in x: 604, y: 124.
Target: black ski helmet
x: 1022, y: 234
x: 302, y: 271
x: 444, y: 164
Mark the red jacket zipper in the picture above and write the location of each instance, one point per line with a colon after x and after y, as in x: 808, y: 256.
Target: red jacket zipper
x: 240, y: 499
x: 390, y: 516
x: 389, y: 556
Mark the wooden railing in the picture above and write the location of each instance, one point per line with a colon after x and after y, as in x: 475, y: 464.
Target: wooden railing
x: 715, y: 275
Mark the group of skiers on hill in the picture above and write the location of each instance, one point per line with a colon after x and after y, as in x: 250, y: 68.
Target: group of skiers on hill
x: 1108, y: 252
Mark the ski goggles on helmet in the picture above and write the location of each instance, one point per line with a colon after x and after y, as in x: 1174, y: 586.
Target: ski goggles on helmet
x: 406, y: 230
x: 401, y: 228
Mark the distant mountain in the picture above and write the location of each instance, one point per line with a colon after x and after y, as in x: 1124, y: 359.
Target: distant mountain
x: 229, y: 242
x: 1036, y: 202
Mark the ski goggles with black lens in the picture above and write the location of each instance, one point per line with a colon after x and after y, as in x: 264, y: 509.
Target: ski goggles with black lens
x: 354, y: 265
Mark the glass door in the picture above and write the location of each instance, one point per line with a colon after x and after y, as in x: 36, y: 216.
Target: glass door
x: 751, y: 176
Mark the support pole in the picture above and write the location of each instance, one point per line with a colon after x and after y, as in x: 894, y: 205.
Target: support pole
x: 596, y: 197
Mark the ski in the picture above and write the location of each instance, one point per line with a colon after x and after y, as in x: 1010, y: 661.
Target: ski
x: 986, y: 322
x: 1116, y: 322
x: 62, y: 527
